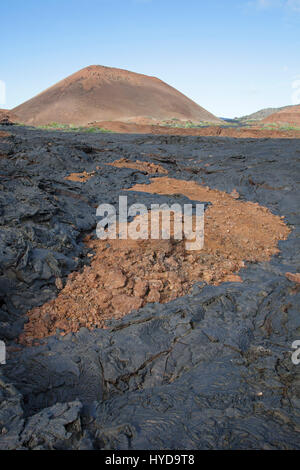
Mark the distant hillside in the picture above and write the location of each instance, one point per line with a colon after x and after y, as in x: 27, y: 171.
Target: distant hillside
x: 289, y: 115
x: 261, y: 114
x: 98, y: 93
x: 6, y: 114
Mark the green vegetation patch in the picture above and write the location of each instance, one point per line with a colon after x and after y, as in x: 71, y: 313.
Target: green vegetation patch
x: 72, y: 128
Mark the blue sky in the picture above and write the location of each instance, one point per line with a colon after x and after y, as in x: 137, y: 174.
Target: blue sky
x: 232, y: 57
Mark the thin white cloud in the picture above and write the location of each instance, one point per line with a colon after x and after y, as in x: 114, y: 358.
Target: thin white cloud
x: 293, y: 5
x: 265, y: 4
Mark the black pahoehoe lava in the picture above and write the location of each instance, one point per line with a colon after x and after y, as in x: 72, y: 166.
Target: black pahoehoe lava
x: 211, y: 370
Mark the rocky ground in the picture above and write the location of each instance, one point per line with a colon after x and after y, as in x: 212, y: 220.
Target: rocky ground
x: 210, y: 369
x: 255, y: 131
